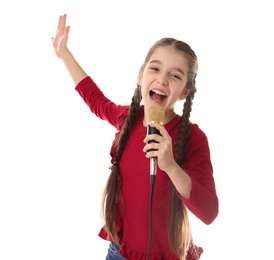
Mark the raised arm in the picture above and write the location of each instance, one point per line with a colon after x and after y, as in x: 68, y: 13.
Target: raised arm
x: 60, y: 45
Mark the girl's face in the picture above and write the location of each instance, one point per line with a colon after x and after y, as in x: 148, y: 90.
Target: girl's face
x: 163, y: 79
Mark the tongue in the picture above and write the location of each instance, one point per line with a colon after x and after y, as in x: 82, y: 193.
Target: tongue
x: 156, y: 98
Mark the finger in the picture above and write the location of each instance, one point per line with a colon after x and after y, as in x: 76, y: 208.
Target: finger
x: 67, y: 32
x: 160, y: 128
x: 59, y: 23
x: 62, y: 23
x: 152, y: 137
x: 151, y: 150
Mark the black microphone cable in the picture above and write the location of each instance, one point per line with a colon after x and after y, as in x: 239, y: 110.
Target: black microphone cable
x: 153, y: 167
x: 152, y: 182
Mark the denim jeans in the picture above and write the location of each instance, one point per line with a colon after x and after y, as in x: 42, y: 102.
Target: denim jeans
x: 113, y: 252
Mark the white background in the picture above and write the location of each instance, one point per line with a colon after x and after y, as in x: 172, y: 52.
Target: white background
x: 55, y: 154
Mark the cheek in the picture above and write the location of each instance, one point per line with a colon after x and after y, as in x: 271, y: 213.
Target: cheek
x: 143, y: 84
x: 142, y: 91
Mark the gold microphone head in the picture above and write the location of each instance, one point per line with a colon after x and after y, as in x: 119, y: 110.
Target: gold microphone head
x: 156, y: 114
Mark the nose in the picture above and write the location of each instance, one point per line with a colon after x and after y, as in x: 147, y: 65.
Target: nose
x: 162, y: 79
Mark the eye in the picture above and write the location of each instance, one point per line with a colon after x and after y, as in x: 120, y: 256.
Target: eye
x: 175, y: 76
x: 154, y: 68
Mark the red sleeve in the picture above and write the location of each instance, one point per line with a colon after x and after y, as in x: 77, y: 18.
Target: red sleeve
x: 203, y: 201
x: 99, y: 104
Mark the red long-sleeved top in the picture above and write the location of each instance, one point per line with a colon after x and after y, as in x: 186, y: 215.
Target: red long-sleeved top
x: 133, y: 221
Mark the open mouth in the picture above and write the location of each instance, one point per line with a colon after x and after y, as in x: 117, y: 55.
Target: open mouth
x: 157, y: 95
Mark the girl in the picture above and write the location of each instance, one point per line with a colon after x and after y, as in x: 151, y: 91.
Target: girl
x: 184, y: 174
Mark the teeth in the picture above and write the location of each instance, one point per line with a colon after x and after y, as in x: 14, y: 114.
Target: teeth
x: 159, y: 93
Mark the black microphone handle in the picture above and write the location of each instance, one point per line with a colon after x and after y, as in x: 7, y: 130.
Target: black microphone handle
x: 152, y: 130
x: 153, y: 160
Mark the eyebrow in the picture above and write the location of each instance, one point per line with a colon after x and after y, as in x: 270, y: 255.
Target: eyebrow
x: 159, y: 62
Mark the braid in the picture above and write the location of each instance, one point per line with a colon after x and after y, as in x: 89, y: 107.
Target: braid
x: 179, y: 232
x: 130, y: 120
x: 184, y: 129
x: 112, y: 192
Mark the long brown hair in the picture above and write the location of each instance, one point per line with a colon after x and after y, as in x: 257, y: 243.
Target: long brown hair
x: 179, y: 232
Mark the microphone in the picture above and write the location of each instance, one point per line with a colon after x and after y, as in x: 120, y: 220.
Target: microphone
x: 156, y: 114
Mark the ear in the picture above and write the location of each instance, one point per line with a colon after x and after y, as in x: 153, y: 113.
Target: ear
x: 184, y: 94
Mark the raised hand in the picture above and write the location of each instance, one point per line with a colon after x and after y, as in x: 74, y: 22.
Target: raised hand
x: 60, y: 40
